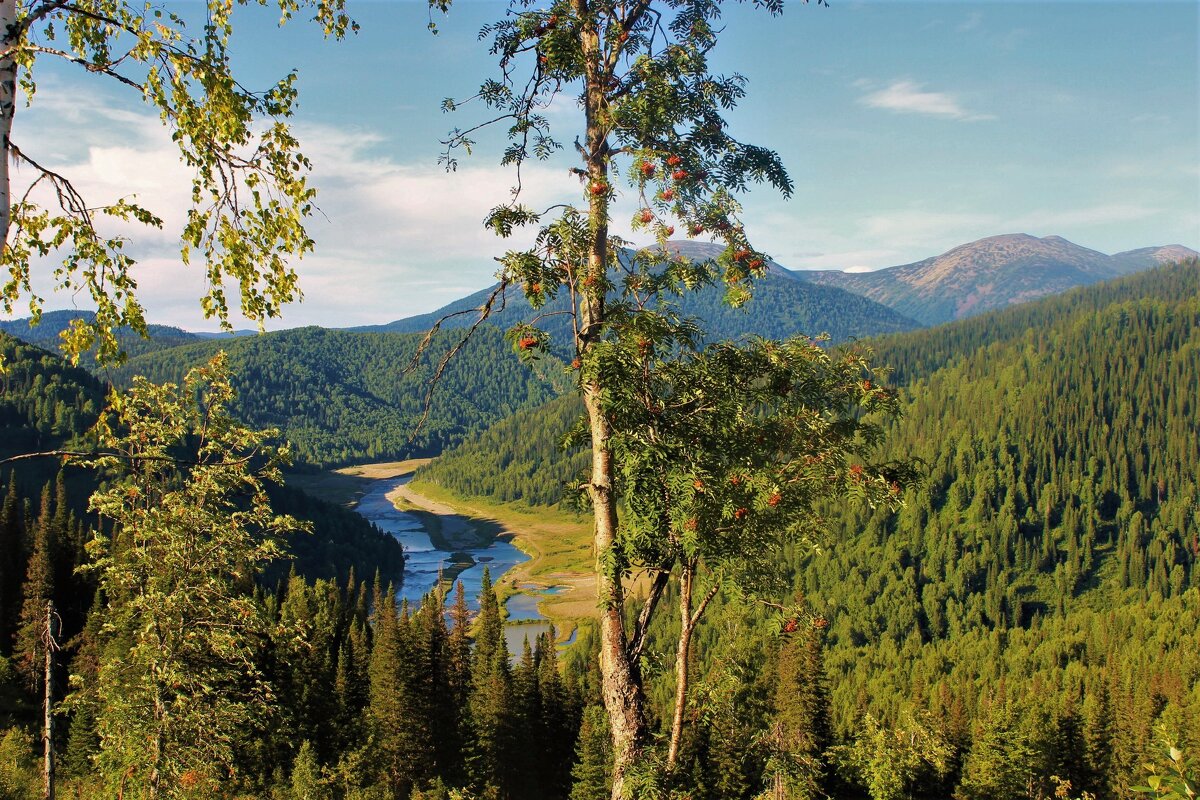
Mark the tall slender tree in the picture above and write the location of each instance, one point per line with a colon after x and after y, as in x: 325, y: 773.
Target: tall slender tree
x: 653, y: 109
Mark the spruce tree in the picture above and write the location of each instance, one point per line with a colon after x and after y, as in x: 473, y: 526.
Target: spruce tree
x: 592, y: 773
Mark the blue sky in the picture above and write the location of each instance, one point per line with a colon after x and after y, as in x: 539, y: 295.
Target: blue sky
x: 908, y: 128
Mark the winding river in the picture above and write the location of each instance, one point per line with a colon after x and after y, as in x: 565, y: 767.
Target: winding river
x: 424, y: 561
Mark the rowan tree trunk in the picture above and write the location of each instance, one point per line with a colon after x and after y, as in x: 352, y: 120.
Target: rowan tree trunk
x: 620, y: 687
x: 8, y: 105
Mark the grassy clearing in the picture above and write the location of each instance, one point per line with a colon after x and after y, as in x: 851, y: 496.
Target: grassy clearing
x: 558, y: 543
x: 346, y: 485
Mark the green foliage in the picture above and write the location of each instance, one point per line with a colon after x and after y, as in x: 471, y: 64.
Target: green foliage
x: 1172, y: 777
x: 178, y: 685
x: 249, y: 187
x: 519, y: 459
x: 20, y: 772
x: 592, y: 772
x: 336, y: 396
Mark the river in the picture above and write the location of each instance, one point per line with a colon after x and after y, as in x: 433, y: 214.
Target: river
x: 424, y: 561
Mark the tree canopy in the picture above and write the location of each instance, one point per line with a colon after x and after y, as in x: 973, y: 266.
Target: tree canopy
x: 250, y: 193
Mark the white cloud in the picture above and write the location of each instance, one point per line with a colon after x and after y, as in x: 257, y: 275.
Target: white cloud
x: 908, y: 97
x: 393, y: 239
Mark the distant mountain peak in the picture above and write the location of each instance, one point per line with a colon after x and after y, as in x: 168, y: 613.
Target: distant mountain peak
x: 993, y: 272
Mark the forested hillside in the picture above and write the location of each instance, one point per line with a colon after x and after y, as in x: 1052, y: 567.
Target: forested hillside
x: 783, y: 305
x: 46, y: 334
x: 47, y: 404
x: 1032, y: 611
x: 340, y: 397
x: 1036, y: 603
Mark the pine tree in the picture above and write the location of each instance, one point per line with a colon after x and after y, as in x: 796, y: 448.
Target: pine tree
x: 37, y: 591
x: 12, y: 565
x: 801, y: 734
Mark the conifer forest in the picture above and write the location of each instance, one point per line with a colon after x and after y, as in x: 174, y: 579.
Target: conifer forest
x: 650, y: 517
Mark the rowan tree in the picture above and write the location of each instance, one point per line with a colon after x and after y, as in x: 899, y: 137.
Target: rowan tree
x: 250, y: 192
x: 654, y: 121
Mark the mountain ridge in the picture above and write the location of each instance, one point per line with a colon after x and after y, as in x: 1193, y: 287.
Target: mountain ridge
x: 991, y: 273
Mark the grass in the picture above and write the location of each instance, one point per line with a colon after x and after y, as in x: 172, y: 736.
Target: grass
x: 346, y: 485
x: 558, y: 543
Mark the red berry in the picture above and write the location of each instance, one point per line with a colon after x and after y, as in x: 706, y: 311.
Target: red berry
x: 536, y: 288
x: 674, y: 160
x: 647, y: 215
x: 741, y: 255
x: 698, y: 484
x: 741, y: 512
x: 670, y: 231
x: 527, y: 342
x: 599, y: 187
x: 576, y: 364
x: 667, y: 194
x: 679, y: 174
x: 820, y: 622
x: 697, y: 230
x: 648, y: 169
x: 790, y: 626
x: 774, y: 500
x: 756, y: 263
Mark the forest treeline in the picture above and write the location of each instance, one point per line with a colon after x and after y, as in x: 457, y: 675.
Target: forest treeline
x: 1031, y: 612
x: 337, y: 398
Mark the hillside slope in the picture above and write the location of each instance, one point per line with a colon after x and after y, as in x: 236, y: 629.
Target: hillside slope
x: 782, y: 306
x: 340, y: 397
x: 992, y: 273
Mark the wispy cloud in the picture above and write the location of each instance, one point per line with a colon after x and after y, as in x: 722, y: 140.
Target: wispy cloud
x: 909, y: 97
x: 393, y: 238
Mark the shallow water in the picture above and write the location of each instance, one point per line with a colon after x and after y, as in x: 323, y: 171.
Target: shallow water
x: 423, y: 561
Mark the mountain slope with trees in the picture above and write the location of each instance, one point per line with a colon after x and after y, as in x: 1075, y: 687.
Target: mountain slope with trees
x: 781, y: 306
x: 1030, y: 612
x: 341, y: 397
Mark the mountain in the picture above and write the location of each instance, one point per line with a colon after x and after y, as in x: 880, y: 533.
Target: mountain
x: 992, y: 273
x: 783, y: 305
x: 516, y: 459
x: 46, y: 333
x: 342, y: 397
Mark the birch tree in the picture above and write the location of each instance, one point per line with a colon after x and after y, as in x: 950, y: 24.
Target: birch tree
x: 250, y: 194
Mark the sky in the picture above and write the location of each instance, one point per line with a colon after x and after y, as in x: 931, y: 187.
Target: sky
x: 908, y: 128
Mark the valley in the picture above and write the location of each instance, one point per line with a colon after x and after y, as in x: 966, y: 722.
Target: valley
x: 1029, y: 604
